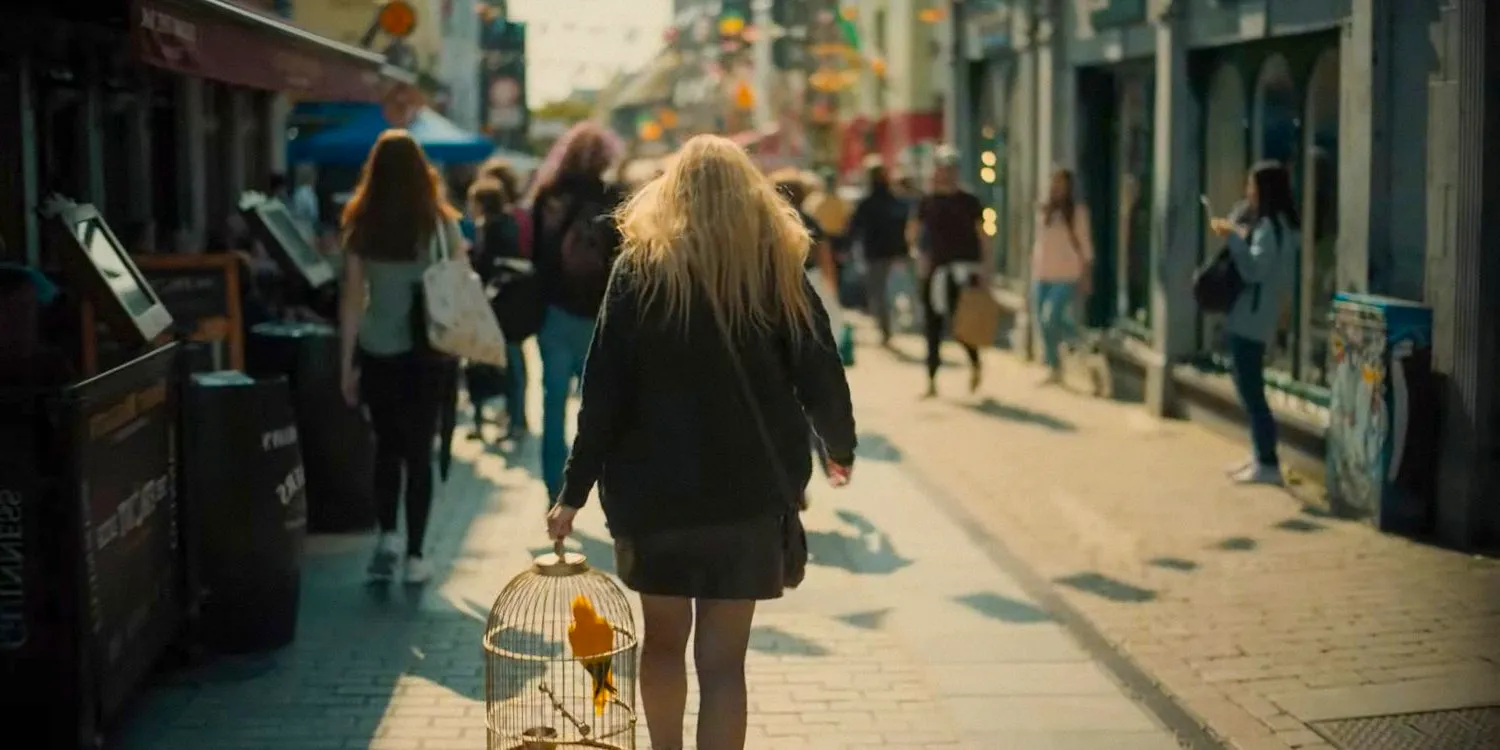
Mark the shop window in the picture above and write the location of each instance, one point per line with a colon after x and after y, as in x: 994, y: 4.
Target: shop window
x: 1276, y: 135
x: 1133, y: 190
x: 991, y: 176
x: 120, y: 200
x: 215, y: 168
x: 166, y: 176
x: 1320, y: 217
x: 1224, y: 151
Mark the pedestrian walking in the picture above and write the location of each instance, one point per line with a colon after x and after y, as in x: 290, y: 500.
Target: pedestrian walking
x: 831, y: 210
x: 1062, y: 264
x: 497, y: 241
x: 701, y: 479
x: 1265, y: 254
x: 820, y: 266
x: 497, y: 168
x: 573, y: 245
x: 514, y: 286
x: 950, y: 256
x: 395, y: 226
x: 878, y: 229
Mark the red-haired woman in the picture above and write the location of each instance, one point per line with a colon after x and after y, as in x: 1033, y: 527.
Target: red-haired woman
x: 394, y: 227
x: 574, y: 242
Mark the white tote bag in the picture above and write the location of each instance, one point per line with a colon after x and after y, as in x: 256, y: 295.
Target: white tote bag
x: 459, y: 319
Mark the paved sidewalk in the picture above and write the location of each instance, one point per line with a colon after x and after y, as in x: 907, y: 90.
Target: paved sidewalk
x: 905, y: 635
x: 1274, y: 626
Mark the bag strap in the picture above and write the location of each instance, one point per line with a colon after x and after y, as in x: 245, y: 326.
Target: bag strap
x: 440, y: 242
x: 755, y: 413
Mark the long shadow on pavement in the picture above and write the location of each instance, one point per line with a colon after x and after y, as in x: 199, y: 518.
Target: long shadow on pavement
x: 1004, y: 608
x: 866, y: 551
x: 992, y: 408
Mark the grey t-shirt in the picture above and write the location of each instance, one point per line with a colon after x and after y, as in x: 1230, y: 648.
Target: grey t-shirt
x: 385, y: 328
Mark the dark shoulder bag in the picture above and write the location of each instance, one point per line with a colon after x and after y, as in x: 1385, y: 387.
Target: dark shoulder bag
x: 793, y: 535
x: 1218, y: 283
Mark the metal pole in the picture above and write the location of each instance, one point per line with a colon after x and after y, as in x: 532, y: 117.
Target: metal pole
x: 765, y: 71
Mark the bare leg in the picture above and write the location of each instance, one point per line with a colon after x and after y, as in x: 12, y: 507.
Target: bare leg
x: 719, y: 650
x: 669, y: 621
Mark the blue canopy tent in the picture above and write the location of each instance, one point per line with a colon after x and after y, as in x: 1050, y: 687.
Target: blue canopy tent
x: 349, y: 142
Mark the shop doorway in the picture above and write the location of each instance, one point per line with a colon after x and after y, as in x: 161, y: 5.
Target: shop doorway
x: 1116, y: 110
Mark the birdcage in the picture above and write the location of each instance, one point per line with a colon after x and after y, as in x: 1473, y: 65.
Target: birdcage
x: 560, y: 659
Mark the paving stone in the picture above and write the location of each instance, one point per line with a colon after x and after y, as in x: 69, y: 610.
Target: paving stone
x: 906, y: 635
x: 1077, y: 486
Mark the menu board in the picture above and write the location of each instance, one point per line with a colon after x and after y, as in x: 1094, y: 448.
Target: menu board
x: 203, y: 294
x: 124, y: 427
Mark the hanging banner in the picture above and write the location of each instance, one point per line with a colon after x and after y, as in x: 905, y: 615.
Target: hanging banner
x: 507, y: 118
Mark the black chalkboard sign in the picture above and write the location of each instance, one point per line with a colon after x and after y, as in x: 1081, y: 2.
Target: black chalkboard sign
x: 124, y: 432
x: 203, y: 294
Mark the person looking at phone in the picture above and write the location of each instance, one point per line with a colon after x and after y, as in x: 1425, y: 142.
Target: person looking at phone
x: 1062, y: 263
x: 1264, y: 250
x: 712, y: 355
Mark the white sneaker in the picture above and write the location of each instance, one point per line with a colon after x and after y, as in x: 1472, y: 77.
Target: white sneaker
x: 387, y: 552
x: 1258, y: 473
x: 1235, y: 468
x: 417, y: 570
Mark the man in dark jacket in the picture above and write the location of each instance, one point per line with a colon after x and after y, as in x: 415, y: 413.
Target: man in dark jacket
x: 879, y: 229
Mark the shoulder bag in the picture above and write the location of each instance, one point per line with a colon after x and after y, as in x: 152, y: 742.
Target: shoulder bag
x: 459, y: 322
x: 793, y: 535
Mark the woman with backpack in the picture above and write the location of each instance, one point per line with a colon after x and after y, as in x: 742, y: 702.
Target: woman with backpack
x: 713, y: 354
x: 1265, y: 254
x: 574, y: 243
x: 1062, y: 262
x: 397, y: 225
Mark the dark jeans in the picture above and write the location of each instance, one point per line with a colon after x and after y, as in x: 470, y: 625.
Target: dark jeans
x: 1247, y: 365
x: 404, y: 395
x: 877, y: 293
x: 937, y: 325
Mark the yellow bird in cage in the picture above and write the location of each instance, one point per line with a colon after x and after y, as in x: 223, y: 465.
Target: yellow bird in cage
x: 592, y: 638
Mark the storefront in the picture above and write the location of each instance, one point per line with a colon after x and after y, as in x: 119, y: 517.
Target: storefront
x: 1383, y: 135
x: 1279, y: 100
x: 159, y: 112
x: 1114, y: 177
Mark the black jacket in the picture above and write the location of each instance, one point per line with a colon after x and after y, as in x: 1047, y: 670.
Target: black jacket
x: 879, y: 224
x: 665, y: 430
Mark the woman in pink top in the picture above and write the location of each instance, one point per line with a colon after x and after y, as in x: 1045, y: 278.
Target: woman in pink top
x: 1062, y: 261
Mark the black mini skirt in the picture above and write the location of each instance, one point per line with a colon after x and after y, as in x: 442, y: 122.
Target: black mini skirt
x: 741, y: 560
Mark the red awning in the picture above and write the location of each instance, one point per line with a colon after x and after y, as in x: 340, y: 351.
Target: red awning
x: 223, y: 41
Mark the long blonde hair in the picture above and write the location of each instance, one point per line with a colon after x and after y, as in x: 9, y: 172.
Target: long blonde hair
x: 713, y: 222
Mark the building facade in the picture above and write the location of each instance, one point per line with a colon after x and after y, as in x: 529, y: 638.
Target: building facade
x: 459, y: 62
x: 159, y: 112
x: 1378, y: 107
x: 897, y: 109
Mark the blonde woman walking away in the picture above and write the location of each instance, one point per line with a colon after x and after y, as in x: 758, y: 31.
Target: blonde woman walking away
x: 713, y: 353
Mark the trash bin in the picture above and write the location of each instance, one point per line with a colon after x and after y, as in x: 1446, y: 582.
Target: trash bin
x: 1382, y: 421
x: 338, y: 447
x: 245, y: 483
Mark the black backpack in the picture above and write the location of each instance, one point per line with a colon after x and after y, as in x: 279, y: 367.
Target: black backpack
x: 586, y: 248
x: 516, y: 297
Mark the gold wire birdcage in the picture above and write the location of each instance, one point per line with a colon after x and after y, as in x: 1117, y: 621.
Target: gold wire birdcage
x: 539, y: 693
